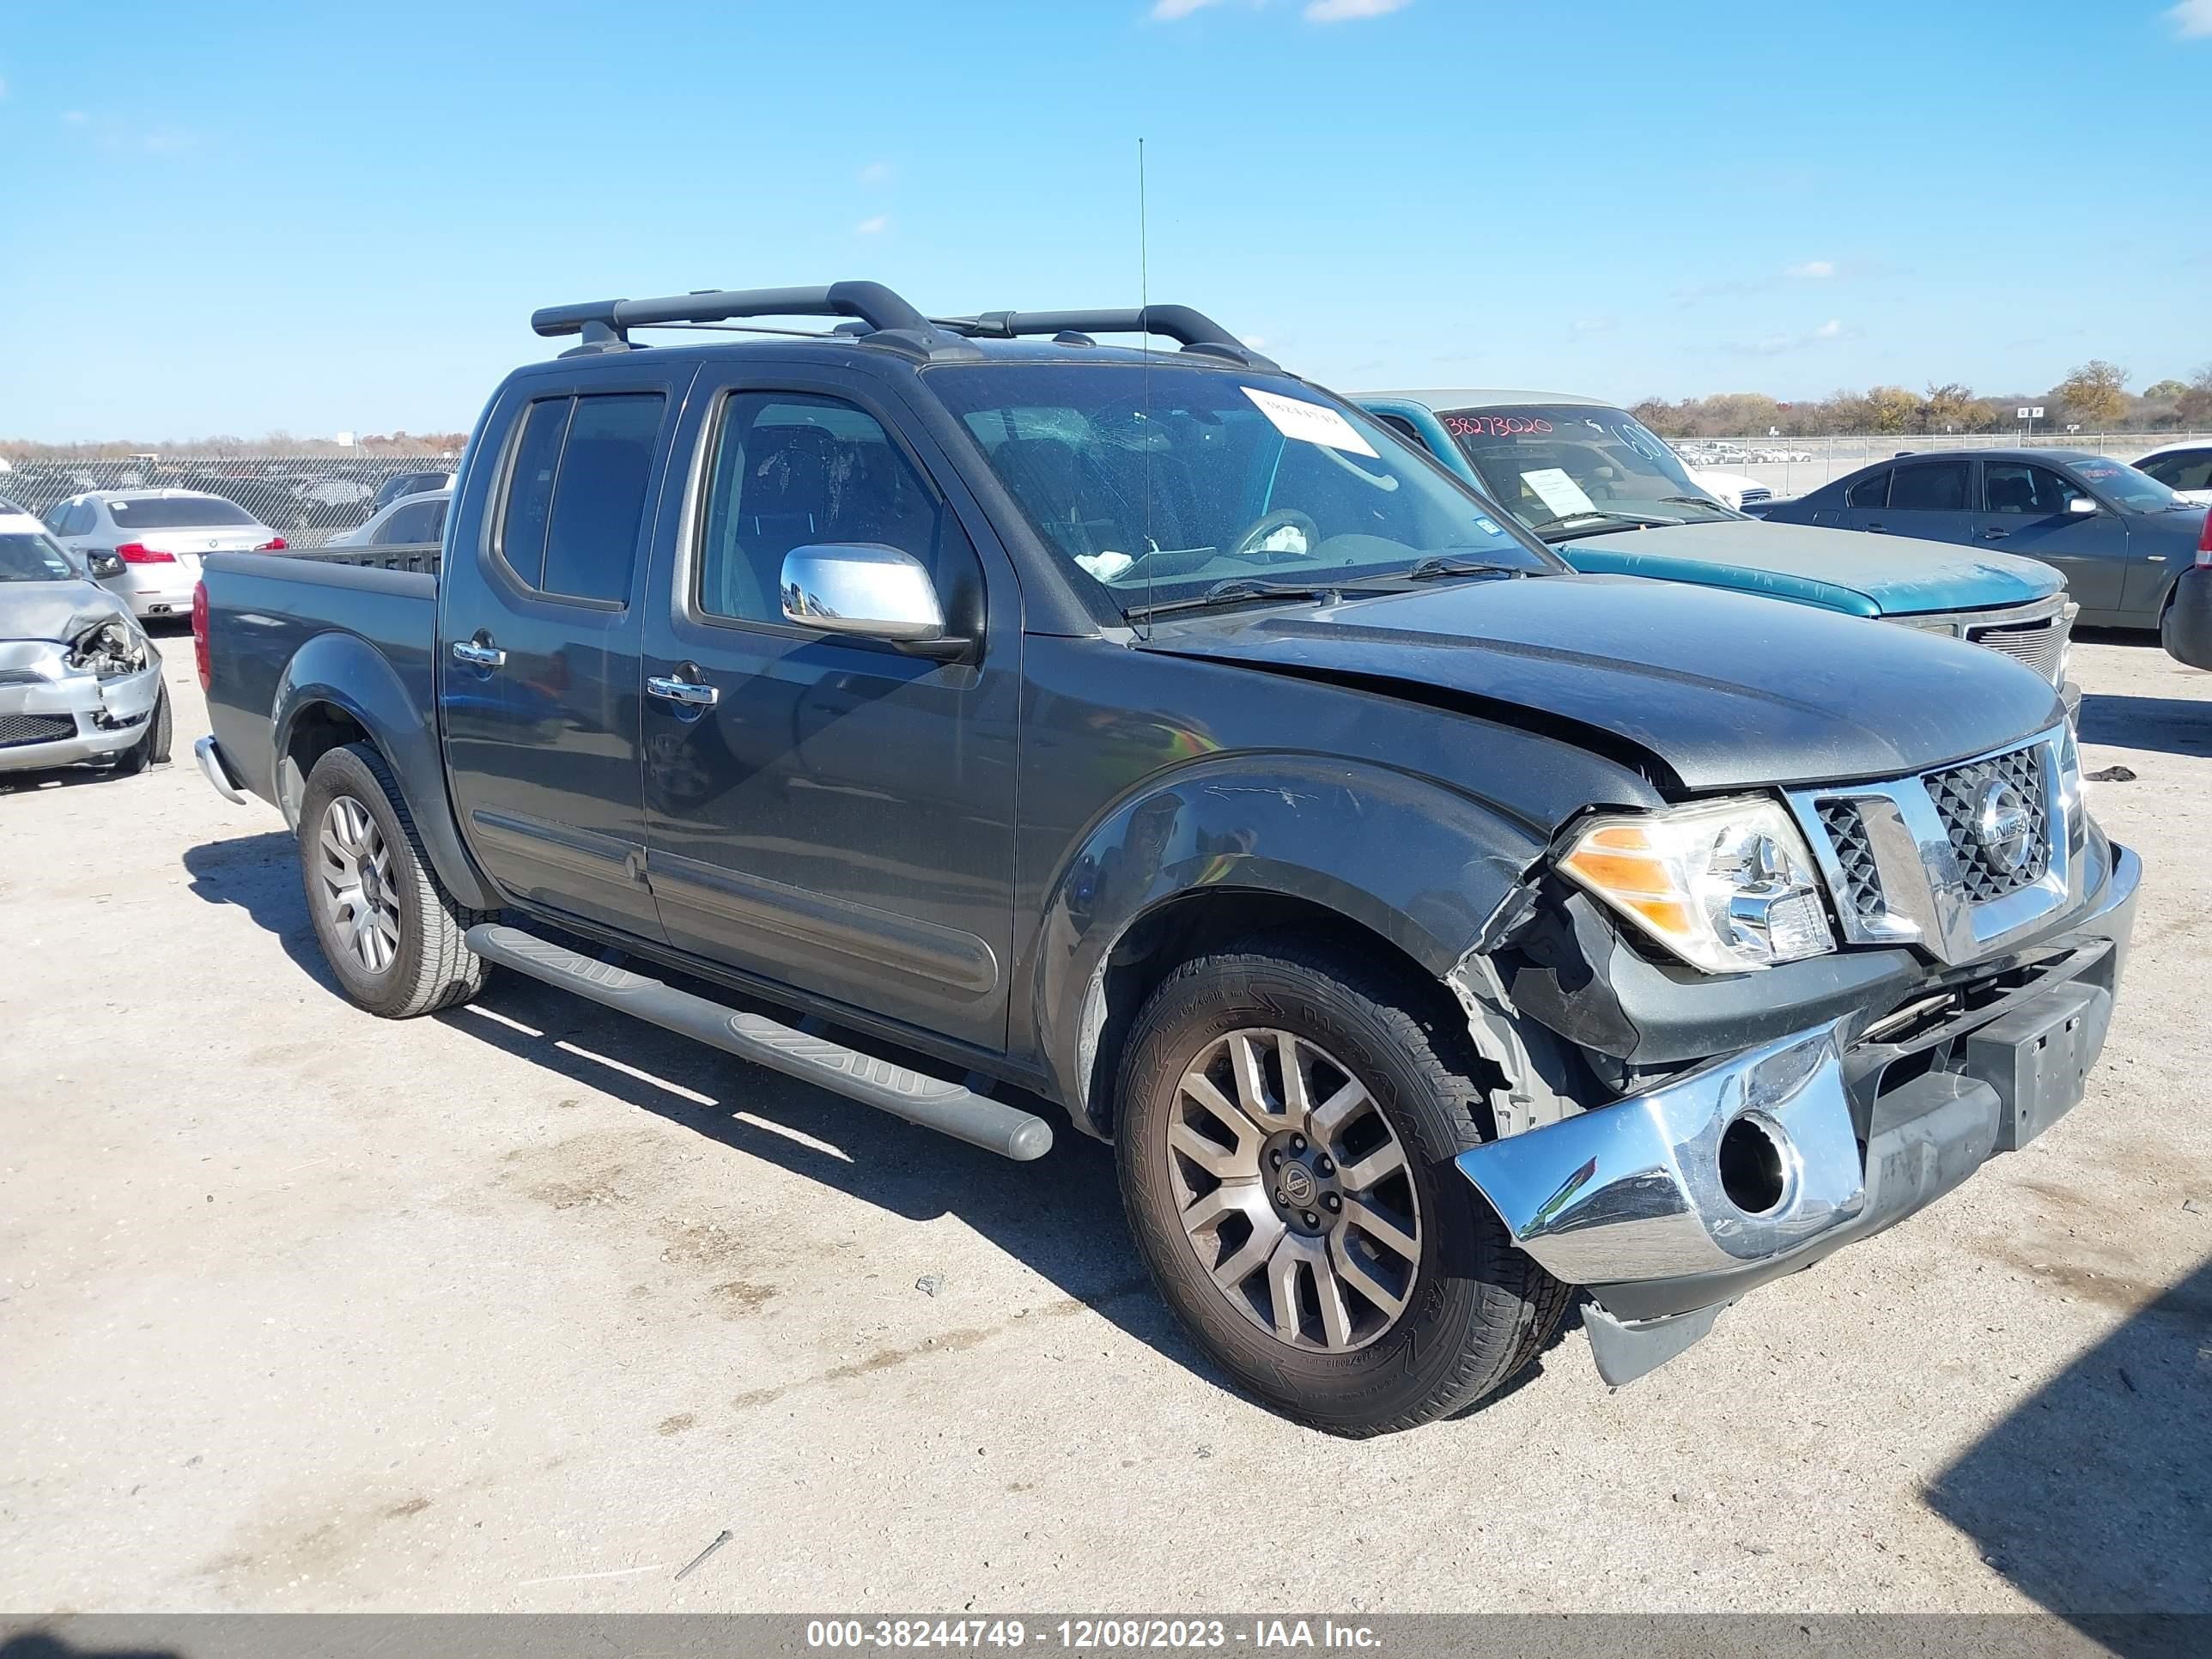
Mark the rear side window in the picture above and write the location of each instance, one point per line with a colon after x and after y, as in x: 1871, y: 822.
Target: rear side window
x: 576, y: 497
x: 1873, y: 490
x: 418, y: 521
x: 1939, y: 487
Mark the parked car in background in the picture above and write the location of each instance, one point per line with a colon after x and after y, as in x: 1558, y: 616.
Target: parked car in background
x: 1610, y: 496
x: 1737, y: 489
x: 2185, y: 629
x: 410, y: 521
x: 159, y: 537
x: 2185, y: 469
x: 1022, y: 719
x: 79, y: 680
x: 2119, y: 536
x: 402, y: 484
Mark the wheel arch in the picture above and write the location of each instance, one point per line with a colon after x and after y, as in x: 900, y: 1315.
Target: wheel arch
x: 339, y: 690
x: 1384, y: 863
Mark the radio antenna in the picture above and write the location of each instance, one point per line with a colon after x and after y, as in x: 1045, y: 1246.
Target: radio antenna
x: 1145, y: 374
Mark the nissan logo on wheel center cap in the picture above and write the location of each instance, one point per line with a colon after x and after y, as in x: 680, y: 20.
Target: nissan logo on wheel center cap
x: 2002, y: 822
x: 1298, y: 1184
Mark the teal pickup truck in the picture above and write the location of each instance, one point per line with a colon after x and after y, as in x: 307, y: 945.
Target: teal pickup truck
x: 1609, y: 495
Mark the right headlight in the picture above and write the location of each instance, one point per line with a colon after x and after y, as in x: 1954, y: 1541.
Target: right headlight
x: 1726, y: 885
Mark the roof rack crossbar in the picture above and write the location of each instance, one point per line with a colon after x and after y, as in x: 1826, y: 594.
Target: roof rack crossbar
x: 1196, y: 330
x: 608, y: 321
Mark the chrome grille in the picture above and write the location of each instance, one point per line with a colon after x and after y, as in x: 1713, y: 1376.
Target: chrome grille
x: 2040, y: 645
x: 1862, y: 881
x: 18, y: 729
x: 1958, y: 795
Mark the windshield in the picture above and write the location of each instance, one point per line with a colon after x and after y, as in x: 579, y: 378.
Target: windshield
x: 176, y: 513
x: 1161, y: 482
x: 30, y: 557
x: 2137, y: 491
x: 1570, y: 464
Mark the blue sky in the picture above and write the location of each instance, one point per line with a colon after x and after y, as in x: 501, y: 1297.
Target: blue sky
x: 239, y: 217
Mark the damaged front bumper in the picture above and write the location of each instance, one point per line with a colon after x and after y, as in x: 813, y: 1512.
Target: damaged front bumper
x: 54, y: 716
x: 1669, y: 1206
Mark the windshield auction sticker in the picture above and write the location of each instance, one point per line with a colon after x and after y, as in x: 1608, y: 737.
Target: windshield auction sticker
x: 1313, y: 423
x: 1560, y: 493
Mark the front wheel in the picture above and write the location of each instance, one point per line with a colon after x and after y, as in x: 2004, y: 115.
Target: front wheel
x: 394, y: 937
x: 1288, y: 1123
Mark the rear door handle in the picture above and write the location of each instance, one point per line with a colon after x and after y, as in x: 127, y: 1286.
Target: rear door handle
x: 690, y: 693
x: 480, y: 652
x: 1879, y: 530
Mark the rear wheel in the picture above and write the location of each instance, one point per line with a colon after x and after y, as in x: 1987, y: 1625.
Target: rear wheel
x: 392, y: 933
x: 1288, y: 1123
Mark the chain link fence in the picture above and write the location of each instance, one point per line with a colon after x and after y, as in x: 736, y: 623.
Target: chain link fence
x: 1791, y: 466
x: 306, y: 495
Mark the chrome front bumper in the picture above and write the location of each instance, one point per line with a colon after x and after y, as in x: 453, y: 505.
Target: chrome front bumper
x: 216, y: 770
x: 1669, y: 1205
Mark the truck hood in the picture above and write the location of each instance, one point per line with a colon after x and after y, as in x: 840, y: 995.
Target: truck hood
x: 1844, y: 570
x: 59, y: 612
x: 1724, y: 690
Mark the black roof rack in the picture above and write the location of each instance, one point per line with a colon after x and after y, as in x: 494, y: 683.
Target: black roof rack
x: 1196, y: 330
x: 873, y: 311
x: 606, y: 324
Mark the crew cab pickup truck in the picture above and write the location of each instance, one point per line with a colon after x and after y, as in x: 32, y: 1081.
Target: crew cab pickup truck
x: 1035, y: 726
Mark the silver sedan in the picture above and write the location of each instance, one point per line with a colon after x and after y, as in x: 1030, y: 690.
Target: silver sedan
x: 79, y: 679
x: 159, y: 535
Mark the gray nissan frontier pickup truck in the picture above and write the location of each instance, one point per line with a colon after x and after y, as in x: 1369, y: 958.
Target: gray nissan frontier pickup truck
x: 987, y: 723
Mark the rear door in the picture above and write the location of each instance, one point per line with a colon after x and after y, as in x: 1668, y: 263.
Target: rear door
x: 540, y: 624
x: 839, y: 816
x: 1931, y: 500
x: 1860, y: 502
x: 2025, y: 510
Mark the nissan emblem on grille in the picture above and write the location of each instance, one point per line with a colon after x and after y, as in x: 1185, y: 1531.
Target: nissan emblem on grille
x: 2001, y: 827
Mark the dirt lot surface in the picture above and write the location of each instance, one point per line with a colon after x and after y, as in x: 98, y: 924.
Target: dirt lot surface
x: 517, y: 1307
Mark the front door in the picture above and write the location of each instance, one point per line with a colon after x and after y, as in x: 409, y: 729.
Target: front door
x: 2026, y: 510
x: 537, y: 669
x: 839, y: 816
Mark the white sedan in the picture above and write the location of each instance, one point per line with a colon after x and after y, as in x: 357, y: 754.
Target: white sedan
x: 160, y: 536
x: 2184, y: 468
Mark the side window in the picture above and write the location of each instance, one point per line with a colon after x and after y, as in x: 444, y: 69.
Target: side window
x: 1873, y: 490
x: 1404, y: 428
x: 2189, y: 469
x: 56, y: 519
x: 790, y: 469
x: 1932, y: 487
x: 576, y: 499
x: 2018, y: 490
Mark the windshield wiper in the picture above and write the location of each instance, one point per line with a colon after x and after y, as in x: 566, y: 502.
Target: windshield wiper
x: 1601, y: 519
x: 1429, y: 569
x: 1238, y: 590
x: 1694, y: 500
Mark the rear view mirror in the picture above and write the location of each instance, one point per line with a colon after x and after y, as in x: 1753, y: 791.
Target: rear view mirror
x: 2082, y: 504
x: 105, y: 565
x: 865, y: 590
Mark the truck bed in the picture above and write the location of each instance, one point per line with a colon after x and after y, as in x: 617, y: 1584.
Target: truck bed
x: 264, y: 610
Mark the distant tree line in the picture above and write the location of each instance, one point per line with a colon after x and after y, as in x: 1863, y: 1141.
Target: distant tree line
x: 2093, y: 397
x: 274, y: 443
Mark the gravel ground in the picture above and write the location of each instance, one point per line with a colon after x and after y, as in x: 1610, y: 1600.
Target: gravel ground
x: 516, y: 1307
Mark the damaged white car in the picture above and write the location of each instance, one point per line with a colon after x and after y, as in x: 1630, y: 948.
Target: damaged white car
x: 80, y: 683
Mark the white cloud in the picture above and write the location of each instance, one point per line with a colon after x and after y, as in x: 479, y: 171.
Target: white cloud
x: 1345, y: 11
x: 1773, y: 345
x: 1831, y: 330
x: 1167, y: 11
x: 2192, y: 19
x: 1812, y: 268
x: 876, y: 175
x: 872, y: 227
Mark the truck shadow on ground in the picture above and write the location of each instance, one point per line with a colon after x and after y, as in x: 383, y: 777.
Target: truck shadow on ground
x: 1060, y: 1216
x: 2093, y: 1496
x: 2172, y: 725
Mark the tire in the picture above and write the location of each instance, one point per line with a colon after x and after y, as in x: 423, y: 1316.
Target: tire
x: 398, y: 945
x: 1474, y: 1309
x: 152, y: 749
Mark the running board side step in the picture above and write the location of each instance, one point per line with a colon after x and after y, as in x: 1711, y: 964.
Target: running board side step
x: 951, y: 1108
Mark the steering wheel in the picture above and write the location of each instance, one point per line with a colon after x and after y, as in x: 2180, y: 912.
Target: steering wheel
x: 1247, y: 544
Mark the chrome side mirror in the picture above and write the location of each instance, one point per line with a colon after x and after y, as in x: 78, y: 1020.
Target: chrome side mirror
x: 2078, y: 505
x: 862, y: 589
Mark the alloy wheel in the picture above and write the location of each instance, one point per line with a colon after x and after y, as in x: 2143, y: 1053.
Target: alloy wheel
x: 1293, y: 1190
x: 360, y: 900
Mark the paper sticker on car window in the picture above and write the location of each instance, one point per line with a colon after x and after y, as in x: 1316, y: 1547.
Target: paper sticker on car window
x: 1560, y: 493
x: 1313, y: 423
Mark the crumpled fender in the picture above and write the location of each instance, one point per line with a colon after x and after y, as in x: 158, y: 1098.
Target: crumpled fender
x: 343, y: 670
x: 1423, y: 865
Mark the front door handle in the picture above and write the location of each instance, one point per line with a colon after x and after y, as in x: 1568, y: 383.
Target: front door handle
x: 481, y: 654
x: 1879, y: 530
x: 1995, y: 535
x: 690, y: 693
